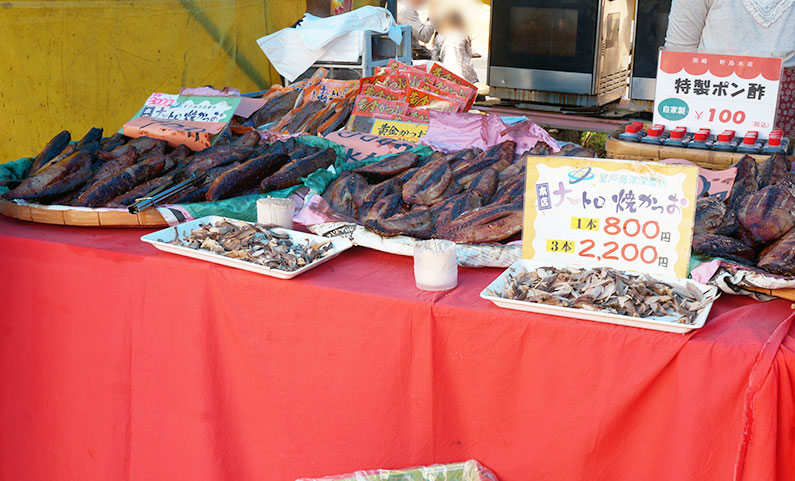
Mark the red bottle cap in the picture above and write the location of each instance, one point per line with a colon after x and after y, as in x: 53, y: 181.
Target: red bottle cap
x: 655, y: 132
x: 633, y: 128
x: 701, y: 136
x: 774, y: 141
x: 724, y: 137
x: 749, y: 140
x: 677, y: 134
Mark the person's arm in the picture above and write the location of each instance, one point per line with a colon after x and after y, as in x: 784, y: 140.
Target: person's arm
x: 685, y: 24
x: 420, y: 31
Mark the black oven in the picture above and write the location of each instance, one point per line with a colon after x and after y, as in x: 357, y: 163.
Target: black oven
x: 568, y: 52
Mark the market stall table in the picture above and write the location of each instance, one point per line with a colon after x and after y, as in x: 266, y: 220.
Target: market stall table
x: 118, y: 361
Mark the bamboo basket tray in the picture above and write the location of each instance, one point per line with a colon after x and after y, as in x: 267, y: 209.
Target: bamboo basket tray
x: 81, y: 216
x: 708, y: 159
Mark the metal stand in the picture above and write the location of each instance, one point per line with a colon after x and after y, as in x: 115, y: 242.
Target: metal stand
x: 379, y: 49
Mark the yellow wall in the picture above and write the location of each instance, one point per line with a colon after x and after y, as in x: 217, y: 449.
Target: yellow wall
x: 83, y: 63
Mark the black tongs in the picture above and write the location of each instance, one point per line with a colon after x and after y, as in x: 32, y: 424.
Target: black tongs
x: 162, y: 193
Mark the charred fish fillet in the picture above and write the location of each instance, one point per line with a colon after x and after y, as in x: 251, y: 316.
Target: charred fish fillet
x: 291, y: 174
x: 245, y: 176
x: 428, y: 184
x: 485, y: 224
x: 390, y: 166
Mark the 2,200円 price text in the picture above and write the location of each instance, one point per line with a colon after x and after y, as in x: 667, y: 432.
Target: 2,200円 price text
x: 613, y: 226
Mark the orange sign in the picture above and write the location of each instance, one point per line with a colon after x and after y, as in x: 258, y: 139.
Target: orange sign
x: 195, y: 135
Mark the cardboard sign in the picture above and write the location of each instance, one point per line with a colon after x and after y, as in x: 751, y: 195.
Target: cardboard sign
x: 635, y: 216
x: 718, y: 92
x: 361, y: 146
x: 195, y: 135
x: 194, y: 121
x: 398, y: 129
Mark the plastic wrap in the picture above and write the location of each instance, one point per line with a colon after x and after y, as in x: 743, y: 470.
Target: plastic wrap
x: 467, y: 471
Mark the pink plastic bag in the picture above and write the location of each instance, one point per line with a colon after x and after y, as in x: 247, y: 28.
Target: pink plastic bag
x: 450, y: 132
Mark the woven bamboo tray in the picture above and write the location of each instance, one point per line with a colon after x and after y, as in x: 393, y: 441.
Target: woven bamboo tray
x: 80, y: 216
x: 708, y: 159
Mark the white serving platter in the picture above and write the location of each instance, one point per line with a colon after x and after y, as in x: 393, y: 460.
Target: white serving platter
x: 161, y: 239
x: 654, y: 323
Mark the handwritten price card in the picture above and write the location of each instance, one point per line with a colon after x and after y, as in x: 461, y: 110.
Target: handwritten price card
x: 634, y: 216
x: 399, y: 130
x: 189, y: 120
x: 719, y: 92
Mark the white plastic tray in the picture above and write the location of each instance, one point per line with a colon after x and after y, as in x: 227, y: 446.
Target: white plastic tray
x: 654, y: 323
x: 161, y: 239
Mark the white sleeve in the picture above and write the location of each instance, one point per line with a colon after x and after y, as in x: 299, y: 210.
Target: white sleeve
x: 685, y: 24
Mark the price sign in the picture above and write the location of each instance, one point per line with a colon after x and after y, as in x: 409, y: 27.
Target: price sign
x: 189, y: 120
x: 398, y: 129
x: 719, y: 92
x: 634, y: 216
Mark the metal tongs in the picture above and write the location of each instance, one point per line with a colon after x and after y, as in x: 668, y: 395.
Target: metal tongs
x: 162, y: 193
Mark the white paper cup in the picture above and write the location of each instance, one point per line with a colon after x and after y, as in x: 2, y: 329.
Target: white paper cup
x: 435, y: 267
x: 275, y: 211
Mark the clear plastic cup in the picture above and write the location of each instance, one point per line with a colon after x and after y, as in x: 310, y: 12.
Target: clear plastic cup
x: 275, y: 211
x: 435, y: 267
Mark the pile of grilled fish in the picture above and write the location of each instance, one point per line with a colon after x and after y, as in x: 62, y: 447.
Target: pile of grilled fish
x: 254, y: 243
x: 469, y: 196
x: 607, y: 290
x: 313, y: 117
x: 115, y: 171
x: 755, y: 226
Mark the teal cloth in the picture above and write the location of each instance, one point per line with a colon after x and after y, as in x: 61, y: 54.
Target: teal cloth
x: 14, y: 171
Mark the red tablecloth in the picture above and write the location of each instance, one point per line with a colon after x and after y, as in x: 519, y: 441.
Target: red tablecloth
x: 119, y: 362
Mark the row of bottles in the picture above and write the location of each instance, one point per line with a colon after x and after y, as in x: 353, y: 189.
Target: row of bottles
x: 726, y: 141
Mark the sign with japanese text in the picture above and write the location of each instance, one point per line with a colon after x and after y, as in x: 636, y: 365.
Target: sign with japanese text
x: 718, y: 92
x: 195, y: 135
x: 397, y: 129
x: 635, y: 216
x: 189, y: 120
x: 361, y: 146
